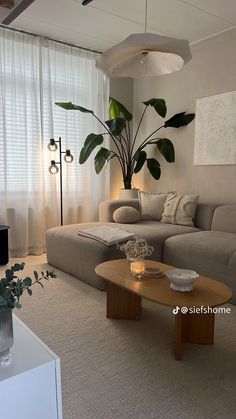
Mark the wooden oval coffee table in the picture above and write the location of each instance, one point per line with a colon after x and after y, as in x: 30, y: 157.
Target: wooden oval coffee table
x: 125, y: 293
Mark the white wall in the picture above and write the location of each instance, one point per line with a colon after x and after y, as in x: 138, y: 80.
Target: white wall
x: 212, y: 70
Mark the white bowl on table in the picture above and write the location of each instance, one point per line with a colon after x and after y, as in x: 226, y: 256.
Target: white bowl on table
x: 182, y: 279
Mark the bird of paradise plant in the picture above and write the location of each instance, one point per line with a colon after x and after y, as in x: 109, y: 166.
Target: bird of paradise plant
x: 129, y: 148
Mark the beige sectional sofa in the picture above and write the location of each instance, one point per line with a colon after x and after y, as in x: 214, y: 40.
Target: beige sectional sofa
x: 209, y: 247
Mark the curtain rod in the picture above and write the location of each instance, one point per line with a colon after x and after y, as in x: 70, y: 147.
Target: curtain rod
x: 50, y: 39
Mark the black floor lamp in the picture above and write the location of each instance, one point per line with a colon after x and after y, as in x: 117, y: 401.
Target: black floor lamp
x: 57, y: 165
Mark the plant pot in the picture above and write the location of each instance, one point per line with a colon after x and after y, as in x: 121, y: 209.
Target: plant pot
x: 128, y: 193
x: 6, y: 336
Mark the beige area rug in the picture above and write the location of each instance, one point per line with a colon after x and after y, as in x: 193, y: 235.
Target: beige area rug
x: 120, y: 369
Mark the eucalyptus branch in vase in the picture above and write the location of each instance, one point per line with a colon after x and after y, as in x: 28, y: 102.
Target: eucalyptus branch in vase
x: 12, y: 287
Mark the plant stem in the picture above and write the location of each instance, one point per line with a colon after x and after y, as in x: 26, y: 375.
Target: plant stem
x: 162, y: 126
x: 129, y: 140
x: 124, y: 149
x: 136, y: 134
x: 146, y: 142
x: 127, y: 143
x: 39, y: 279
x: 121, y: 161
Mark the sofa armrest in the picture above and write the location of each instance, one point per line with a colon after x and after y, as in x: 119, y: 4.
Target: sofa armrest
x: 106, y: 208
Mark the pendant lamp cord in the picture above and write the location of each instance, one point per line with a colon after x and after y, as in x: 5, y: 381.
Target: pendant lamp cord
x: 146, y: 10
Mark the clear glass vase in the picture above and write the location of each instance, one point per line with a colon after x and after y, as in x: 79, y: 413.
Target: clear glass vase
x: 137, y: 266
x: 6, y: 336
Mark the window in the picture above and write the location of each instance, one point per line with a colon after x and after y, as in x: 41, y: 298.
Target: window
x: 34, y: 74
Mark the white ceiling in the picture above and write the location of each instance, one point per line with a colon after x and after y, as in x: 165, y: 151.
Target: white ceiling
x: 104, y: 23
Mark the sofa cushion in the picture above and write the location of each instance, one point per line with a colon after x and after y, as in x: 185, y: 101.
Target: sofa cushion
x: 204, y: 214
x: 207, y: 252
x: 107, y: 208
x: 224, y: 219
x: 78, y: 255
x: 126, y: 215
x: 202, y: 220
x: 156, y: 233
x: 180, y: 209
x: 152, y: 204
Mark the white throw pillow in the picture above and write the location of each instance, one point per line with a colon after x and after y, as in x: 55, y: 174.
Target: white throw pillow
x: 126, y: 215
x: 180, y: 209
x: 152, y: 204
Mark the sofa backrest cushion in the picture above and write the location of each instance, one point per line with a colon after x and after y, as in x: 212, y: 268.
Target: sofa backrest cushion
x: 151, y: 204
x: 204, y: 214
x: 180, y: 209
x: 224, y: 219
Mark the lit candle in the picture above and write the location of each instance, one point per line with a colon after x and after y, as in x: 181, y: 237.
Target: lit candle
x: 137, y: 268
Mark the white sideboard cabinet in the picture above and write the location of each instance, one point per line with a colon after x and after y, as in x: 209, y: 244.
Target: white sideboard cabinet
x: 30, y: 387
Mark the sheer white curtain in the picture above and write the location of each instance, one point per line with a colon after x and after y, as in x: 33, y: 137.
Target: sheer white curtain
x: 34, y: 74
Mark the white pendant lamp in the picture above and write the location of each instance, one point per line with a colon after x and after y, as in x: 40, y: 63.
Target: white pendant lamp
x: 145, y: 55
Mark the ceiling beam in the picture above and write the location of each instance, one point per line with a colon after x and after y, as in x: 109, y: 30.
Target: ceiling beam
x: 18, y: 9
x: 85, y: 2
x: 7, y: 3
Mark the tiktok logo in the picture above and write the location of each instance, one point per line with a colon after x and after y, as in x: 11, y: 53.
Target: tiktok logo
x: 176, y: 310
x: 182, y: 310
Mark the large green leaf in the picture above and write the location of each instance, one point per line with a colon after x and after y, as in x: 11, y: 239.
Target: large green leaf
x: 179, y: 120
x: 166, y: 148
x: 116, y: 108
x: 158, y: 104
x: 140, y: 157
x: 92, y: 141
x: 114, y: 111
x: 116, y: 126
x: 69, y: 106
x: 100, y: 159
x: 154, y: 168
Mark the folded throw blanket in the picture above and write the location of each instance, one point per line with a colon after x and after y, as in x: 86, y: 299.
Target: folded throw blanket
x: 106, y: 235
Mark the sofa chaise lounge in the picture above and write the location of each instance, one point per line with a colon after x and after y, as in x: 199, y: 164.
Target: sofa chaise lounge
x: 209, y: 247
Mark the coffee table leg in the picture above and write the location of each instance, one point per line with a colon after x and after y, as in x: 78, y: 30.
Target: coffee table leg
x: 198, y: 328
x: 193, y: 328
x: 122, y: 304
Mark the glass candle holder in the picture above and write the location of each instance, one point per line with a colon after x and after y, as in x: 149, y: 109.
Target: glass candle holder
x: 137, y: 268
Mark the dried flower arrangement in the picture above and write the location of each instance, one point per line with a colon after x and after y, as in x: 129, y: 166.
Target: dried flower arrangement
x: 136, y: 248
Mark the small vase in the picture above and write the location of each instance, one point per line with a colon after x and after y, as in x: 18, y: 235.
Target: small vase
x: 6, y: 336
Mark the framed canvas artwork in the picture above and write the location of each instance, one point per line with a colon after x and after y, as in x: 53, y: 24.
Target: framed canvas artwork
x: 215, y: 130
